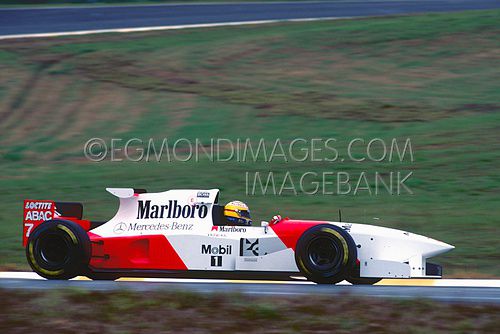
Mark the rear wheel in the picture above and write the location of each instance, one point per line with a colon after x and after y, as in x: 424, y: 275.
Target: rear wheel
x: 58, y: 249
x: 325, y: 254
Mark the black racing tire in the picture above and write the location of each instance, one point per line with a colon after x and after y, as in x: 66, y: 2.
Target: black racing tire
x: 58, y: 249
x: 325, y: 254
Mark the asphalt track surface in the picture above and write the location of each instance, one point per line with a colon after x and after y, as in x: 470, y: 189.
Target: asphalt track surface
x: 441, y: 294
x: 70, y: 19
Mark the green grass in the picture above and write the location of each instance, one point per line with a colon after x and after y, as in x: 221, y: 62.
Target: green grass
x: 166, y: 312
x: 430, y: 78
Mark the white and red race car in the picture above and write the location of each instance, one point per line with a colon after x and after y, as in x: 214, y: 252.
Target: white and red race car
x: 183, y: 233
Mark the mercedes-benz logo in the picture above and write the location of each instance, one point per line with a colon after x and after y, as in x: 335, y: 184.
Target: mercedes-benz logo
x: 120, y: 228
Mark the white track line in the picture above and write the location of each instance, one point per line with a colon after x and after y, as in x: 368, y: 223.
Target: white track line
x: 479, y: 283
x: 168, y: 27
x: 19, y: 275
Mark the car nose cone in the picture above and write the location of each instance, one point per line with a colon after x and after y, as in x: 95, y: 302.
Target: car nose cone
x: 434, y: 247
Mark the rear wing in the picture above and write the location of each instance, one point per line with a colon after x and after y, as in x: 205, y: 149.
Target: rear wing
x: 38, y: 211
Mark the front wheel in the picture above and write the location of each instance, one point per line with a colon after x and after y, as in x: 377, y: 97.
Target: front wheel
x: 325, y: 254
x: 58, y: 249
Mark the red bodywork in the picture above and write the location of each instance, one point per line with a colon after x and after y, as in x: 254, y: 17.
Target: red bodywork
x: 289, y: 231
x: 142, y: 252
x: 155, y: 252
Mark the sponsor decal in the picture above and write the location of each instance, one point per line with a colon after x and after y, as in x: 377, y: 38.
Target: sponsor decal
x: 38, y: 211
x: 155, y: 227
x: 228, y: 229
x: 35, y: 213
x: 38, y: 205
x: 216, y: 261
x: 249, y: 247
x: 203, y: 194
x: 120, y: 228
x: 38, y: 215
x: 216, y: 250
x: 148, y: 227
x: 146, y: 210
x: 216, y: 253
x: 182, y: 226
x: 347, y: 227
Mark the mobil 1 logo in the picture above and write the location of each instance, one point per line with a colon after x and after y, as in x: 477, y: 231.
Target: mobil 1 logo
x: 216, y: 253
x: 216, y: 261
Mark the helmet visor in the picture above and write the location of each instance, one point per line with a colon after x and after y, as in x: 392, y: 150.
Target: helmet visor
x: 244, y: 213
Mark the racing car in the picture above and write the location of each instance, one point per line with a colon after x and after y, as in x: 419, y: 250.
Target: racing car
x: 186, y: 233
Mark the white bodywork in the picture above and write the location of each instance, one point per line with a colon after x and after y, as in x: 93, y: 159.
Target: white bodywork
x: 382, y: 252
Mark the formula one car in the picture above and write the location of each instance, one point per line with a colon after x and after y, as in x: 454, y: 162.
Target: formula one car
x: 184, y: 233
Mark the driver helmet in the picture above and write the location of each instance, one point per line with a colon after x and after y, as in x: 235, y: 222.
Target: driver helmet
x: 237, y: 213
